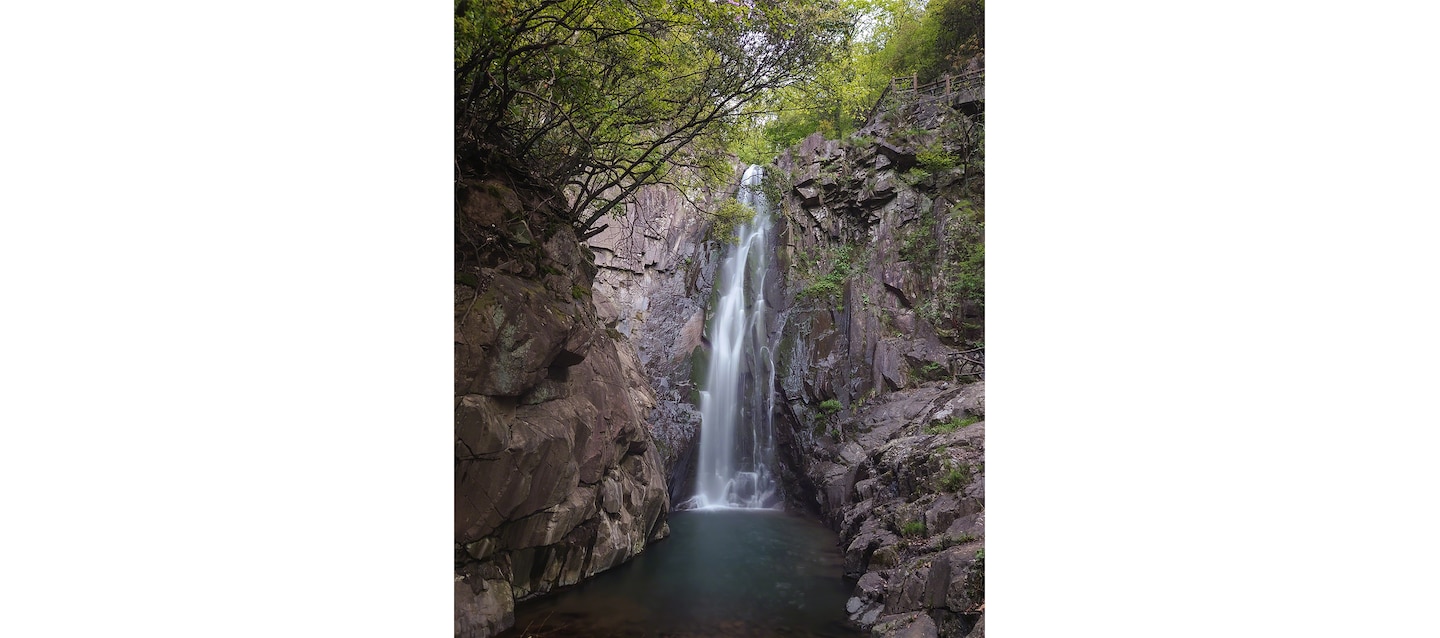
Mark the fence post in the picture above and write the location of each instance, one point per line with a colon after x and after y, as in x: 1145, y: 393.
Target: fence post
x: 948, y: 77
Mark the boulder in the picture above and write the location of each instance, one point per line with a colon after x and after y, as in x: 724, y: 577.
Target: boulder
x: 483, y: 610
x: 909, y: 625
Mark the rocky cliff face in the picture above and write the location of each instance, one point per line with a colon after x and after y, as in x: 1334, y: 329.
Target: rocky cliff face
x: 656, y: 271
x: 911, y: 495
x: 578, y: 366
x: 881, y: 359
x: 556, y: 475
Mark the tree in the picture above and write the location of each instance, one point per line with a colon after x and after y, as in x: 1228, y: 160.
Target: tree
x: 895, y: 38
x: 597, y: 98
x: 949, y: 33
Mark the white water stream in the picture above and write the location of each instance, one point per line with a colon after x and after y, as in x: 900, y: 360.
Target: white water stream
x: 737, y: 428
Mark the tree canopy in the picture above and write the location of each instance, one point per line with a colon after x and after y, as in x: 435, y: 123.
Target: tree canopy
x: 893, y: 38
x: 600, y: 97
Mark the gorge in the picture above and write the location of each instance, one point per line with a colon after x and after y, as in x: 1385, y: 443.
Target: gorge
x: 797, y: 356
x: 875, y: 395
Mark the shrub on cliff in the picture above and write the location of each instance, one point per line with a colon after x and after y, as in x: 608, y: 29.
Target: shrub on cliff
x: 934, y: 158
x: 728, y: 218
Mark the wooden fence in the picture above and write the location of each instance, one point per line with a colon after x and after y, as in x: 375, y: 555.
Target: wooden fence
x: 953, y: 89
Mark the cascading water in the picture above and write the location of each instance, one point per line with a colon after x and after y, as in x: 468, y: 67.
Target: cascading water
x: 742, y: 568
x: 737, y: 433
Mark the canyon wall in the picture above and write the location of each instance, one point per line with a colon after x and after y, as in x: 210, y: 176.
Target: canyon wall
x: 881, y: 359
x: 578, y: 366
x: 556, y: 475
x: 657, y: 267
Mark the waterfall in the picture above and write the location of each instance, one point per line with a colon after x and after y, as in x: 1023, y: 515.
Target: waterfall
x: 737, y: 428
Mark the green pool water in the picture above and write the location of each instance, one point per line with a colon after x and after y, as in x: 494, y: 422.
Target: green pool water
x: 722, y: 572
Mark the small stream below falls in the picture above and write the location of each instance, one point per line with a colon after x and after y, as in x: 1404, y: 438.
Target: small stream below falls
x: 722, y: 572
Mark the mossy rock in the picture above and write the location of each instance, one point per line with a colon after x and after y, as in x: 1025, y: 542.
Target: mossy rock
x: 699, y: 369
x: 885, y: 557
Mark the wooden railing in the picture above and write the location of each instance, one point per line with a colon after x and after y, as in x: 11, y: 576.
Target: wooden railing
x: 957, y: 88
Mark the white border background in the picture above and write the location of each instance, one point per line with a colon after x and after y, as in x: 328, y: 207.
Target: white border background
x: 225, y: 362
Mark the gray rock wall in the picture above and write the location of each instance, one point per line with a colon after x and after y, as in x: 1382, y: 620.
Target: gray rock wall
x: 911, y: 507
x: 578, y: 365
x: 881, y: 362
x: 656, y: 273
x: 556, y: 475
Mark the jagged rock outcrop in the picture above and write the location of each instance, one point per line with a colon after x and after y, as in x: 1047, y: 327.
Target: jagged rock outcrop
x: 881, y: 361
x: 556, y: 475
x: 912, y: 510
x: 884, y: 263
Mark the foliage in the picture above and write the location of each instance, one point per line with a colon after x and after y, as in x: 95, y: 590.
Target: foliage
x: 842, y: 92
x: 896, y: 38
x: 860, y: 141
x: 829, y: 407
x: 964, y: 267
x: 827, y: 287
x: 955, y: 478
x: 950, y: 32
x: 968, y: 135
x: 831, y: 285
x: 750, y: 146
x: 913, y: 528
x: 914, y: 176
x: 599, y: 97
x: 934, y: 158
x: 729, y: 217
x: 774, y: 185
x: 975, y: 583
x: 953, y: 266
x: 952, y: 424
x: 917, y: 244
